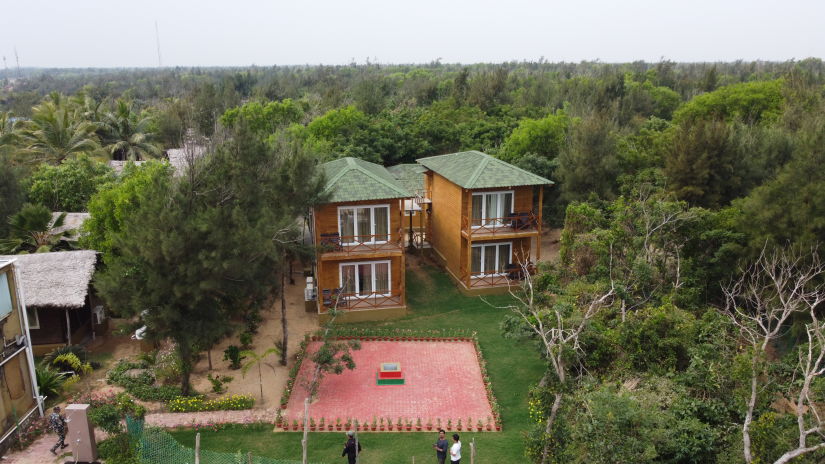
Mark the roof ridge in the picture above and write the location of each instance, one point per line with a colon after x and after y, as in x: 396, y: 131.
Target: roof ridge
x: 485, y: 160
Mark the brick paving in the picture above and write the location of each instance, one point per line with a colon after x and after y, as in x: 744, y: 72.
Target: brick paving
x: 443, y: 380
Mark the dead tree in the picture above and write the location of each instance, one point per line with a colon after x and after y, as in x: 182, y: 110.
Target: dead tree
x: 557, y: 333
x: 760, y: 302
x: 809, y: 419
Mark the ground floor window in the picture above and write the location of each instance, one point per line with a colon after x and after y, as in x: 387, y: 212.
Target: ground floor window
x: 370, y: 278
x: 491, y: 259
x: 34, y: 320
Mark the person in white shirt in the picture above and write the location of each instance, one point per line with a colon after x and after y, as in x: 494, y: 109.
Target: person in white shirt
x: 455, y: 450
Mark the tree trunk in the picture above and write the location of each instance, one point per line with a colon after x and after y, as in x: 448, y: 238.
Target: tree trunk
x: 185, y: 353
x: 746, y: 435
x: 549, y: 429
x: 283, y: 315
x: 209, y: 357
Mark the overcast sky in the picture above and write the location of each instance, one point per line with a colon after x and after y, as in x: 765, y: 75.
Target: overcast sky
x: 107, y: 33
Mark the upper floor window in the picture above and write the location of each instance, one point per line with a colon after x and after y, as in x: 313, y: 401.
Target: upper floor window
x: 364, y: 224
x: 491, y: 208
x: 5, y: 295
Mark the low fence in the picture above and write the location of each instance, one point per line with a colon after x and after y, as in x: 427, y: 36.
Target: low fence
x: 156, y: 446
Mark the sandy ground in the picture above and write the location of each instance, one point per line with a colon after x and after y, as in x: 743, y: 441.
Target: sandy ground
x: 273, y: 374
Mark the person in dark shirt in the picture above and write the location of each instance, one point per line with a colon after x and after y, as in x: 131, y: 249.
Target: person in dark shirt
x: 441, y: 447
x: 350, y: 448
x: 58, y: 425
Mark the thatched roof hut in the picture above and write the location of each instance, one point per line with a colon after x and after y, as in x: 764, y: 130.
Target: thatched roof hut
x: 58, y: 280
x: 72, y: 223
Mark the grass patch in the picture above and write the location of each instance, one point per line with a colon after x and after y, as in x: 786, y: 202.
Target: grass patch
x: 434, y: 303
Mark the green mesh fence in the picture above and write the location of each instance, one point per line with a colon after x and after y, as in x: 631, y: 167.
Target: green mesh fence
x: 156, y: 446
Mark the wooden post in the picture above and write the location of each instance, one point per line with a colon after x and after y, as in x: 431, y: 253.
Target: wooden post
x: 473, y: 451
x: 357, y: 454
x: 68, y: 328
x: 306, y: 431
x: 198, y: 448
x: 538, y: 223
x: 249, y: 457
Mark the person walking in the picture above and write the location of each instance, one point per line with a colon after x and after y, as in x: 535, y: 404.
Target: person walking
x: 441, y: 446
x: 455, y: 450
x: 350, y: 450
x: 58, y: 425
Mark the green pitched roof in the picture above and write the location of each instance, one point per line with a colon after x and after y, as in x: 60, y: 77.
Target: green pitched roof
x: 410, y: 176
x: 477, y: 170
x: 353, y: 179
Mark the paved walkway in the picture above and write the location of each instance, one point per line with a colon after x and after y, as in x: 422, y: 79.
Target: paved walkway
x: 38, y: 452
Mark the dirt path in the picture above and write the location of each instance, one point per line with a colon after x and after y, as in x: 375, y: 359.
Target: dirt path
x: 550, y: 245
x: 273, y: 374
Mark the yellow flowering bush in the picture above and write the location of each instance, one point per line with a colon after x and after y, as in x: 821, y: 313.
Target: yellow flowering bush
x: 199, y: 403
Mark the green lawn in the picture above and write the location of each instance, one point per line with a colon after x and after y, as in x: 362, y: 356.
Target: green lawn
x: 434, y: 304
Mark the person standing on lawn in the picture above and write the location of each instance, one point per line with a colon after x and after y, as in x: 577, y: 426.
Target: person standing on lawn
x: 455, y: 450
x: 352, y: 448
x: 58, y: 425
x: 441, y: 446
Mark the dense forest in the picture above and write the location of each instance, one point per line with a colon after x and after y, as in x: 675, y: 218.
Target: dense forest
x: 682, y: 322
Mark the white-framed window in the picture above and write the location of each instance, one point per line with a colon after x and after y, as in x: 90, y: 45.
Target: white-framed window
x: 490, y: 259
x: 364, y: 279
x: 364, y: 224
x: 489, y: 208
x: 34, y: 319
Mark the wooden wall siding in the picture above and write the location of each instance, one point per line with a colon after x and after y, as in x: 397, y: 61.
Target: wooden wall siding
x: 326, y: 216
x: 445, y: 220
x: 328, y: 272
x: 52, y: 327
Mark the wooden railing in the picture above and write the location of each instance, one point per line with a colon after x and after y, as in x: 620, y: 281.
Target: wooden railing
x: 334, y: 298
x: 351, y: 244
x: 512, y: 275
x: 516, y: 222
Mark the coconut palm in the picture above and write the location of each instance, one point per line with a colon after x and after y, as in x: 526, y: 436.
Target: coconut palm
x: 33, y: 230
x: 126, y: 134
x: 56, y: 132
x: 257, y: 359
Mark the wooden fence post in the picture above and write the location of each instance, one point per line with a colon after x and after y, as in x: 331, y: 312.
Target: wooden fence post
x: 198, y: 448
x: 306, y: 430
x: 249, y: 457
x: 473, y: 451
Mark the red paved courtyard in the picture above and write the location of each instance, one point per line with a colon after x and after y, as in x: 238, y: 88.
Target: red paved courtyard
x: 443, y: 380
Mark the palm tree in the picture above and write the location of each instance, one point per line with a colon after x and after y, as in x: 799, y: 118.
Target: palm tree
x: 127, y: 135
x: 33, y: 230
x: 254, y: 359
x: 56, y: 132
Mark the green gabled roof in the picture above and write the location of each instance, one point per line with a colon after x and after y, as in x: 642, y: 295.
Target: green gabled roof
x: 410, y: 176
x: 477, y: 170
x: 353, y: 179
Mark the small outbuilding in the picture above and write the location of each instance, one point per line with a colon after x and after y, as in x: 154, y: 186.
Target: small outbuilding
x: 61, y: 305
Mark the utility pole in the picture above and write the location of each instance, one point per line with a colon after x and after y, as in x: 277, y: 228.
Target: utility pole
x: 17, y: 58
x: 157, y: 41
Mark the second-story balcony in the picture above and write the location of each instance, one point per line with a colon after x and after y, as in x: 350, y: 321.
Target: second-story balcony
x: 512, y: 225
x: 335, y: 246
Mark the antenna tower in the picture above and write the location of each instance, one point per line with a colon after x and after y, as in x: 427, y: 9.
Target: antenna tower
x: 157, y: 41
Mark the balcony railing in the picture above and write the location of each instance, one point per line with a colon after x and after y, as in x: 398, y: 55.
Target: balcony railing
x: 513, y: 274
x: 516, y: 222
x: 334, y: 298
x: 352, y: 244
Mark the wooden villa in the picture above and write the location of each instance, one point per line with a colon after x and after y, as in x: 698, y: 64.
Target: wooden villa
x: 61, y: 306
x: 485, y: 218
x: 359, y: 237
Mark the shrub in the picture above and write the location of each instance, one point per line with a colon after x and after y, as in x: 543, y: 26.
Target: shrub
x: 218, y: 382
x: 233, y: 354
x: 142, y: 386
x: 199, y: 403
x: 246, y: 340
x: 117, y: 449
x: 77, y: 350
x: 70, y: 362
x: 107, y: 417
x: 49, y: 381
